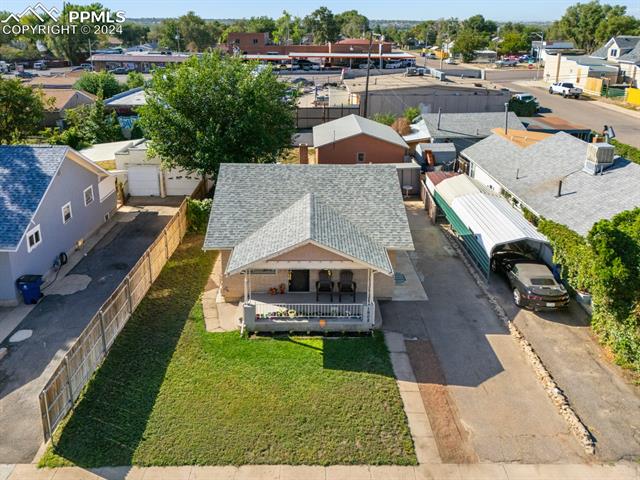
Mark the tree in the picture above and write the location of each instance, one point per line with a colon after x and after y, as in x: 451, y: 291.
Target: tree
x: 133, y: 33
x: 99, y: 82
x: 261, y: 24
x: 322, y: 24
x: 477, y: 23
x: 591, y: 24
x: 514, y: 42
x: 425, y: 32
x: 21, y: 110
x: 467, y: 41
x: 213, y: 109
x: 188, y: 32
x: 85, y: 126
x: 352, y: 24
x: 522, y: 108
x: 134, y: 80
x: 73, y: 43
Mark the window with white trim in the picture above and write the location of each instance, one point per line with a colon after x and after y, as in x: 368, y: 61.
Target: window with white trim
x: 34, y: 238
x: 88, y: 195
x: 360, y: 157
x: 67, y: 214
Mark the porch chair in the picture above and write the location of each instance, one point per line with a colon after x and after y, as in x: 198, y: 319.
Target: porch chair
x: 324, y: 284
x: 346, y: 284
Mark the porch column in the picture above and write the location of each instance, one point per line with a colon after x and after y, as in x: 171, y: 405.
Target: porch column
x: 371, y: 293
x: 246, y: 281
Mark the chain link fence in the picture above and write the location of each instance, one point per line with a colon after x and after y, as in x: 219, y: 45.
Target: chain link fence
x: 89, y: 350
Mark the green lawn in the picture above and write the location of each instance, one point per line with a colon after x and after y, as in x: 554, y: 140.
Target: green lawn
x: 169, y: 393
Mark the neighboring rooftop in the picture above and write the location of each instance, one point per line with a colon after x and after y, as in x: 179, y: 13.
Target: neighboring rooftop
x: 103, y: 152
x: 25, y: 175
x: 400, y: 81
x: 626, y: 43
x: 466, y: 125
x: 551, y: 122
x: 131, y: 98
x: 586, y: 198
x: 67, y: 97
x: 248, y: 196
x: 352, y: 125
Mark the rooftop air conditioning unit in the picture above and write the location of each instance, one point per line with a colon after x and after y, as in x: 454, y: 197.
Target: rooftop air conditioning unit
x: 599, y: 157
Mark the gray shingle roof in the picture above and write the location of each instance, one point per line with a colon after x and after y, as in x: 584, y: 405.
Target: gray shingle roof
x: 603, y: 51
x: 25, y: 175
x: 248, y: 196
x: 586, y: 198
x: 626, y: 43
x: 474, y: 124
x: 353, y: 125
x: 632, y: 56
x: 309, y: 220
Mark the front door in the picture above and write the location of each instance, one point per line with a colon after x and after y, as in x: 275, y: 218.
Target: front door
x: 298, y: 280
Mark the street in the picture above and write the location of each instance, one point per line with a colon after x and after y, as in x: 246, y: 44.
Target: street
x: 584, y: 112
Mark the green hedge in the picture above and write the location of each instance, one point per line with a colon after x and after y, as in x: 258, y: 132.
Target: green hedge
x: 606, y: 264
x: 627, y: 151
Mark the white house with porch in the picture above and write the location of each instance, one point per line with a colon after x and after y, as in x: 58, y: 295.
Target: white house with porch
x: 307, y: 247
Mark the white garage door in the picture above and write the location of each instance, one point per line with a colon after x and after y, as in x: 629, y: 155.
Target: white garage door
x: 144, y: 180
x: 180, y: 182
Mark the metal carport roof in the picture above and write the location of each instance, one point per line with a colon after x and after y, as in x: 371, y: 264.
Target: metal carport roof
x: 482, y: 218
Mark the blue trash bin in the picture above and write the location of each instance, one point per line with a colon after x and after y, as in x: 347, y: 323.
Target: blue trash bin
x: 29, y: 285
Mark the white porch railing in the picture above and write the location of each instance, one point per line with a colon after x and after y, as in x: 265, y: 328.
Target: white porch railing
x: 293, y: 311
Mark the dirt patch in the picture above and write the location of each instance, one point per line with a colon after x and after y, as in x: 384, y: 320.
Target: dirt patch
x: 451, y: 437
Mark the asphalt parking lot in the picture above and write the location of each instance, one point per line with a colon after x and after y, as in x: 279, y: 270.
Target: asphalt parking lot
x: 57, y: 321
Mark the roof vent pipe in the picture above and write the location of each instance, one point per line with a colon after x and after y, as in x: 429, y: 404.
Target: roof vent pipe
x: 439, y: 117
x: 506, y: 118
x: 559, y: 189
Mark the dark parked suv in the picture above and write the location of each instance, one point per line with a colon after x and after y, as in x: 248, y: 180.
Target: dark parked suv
x: 532, y: 283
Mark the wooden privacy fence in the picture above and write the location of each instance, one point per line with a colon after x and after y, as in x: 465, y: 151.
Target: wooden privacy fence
x: 89, y: 350
x: 309, y: 117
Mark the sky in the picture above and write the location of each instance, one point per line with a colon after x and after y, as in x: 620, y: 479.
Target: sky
x: 501, y: 10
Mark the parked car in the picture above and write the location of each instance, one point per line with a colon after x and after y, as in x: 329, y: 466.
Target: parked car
x: 40, y: 66
x: 24, y: 74
x: 87, y: 66
x: 532, y: 283
x: 431, y: 56
x: 363, y: 66
x: 565, y: 89
x: 411, y: 72
x: 394, y: 65
x: 506, y: 63
x: 120, y: 71
x: 450, y: 61
x: 527, y: 97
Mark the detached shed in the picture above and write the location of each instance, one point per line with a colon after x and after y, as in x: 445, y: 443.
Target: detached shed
x: 485, y: 221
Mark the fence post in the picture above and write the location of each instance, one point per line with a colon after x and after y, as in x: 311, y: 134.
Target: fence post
x: 128, y: 287
x: 150, y: 272
x: 166, y: 245
x: 66, y: 370
x: 44, y: 405
x: 104, y: 337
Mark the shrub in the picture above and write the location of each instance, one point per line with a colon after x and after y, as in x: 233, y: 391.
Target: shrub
x: 410, y: 113
x: 627, y: 151
x: 522, y: 108
x: 402, y: 126
x: 385, y: 118
x: 607, y: 264
x: 198, y: 214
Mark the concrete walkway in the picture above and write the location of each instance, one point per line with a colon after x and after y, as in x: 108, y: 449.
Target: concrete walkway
x: 496, y: 471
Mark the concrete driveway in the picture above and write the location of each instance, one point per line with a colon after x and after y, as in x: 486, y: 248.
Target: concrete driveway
x: 57, y: 321
x: 507, y: 415
x: 607, y: 402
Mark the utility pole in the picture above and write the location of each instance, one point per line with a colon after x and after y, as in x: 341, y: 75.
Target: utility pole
x: 541, y: 36
x: 366, y: 85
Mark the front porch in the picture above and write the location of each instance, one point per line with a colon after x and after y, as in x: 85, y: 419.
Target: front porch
x: 298, y: 311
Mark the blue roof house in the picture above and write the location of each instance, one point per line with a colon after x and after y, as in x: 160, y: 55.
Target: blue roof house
x: 51, y: 198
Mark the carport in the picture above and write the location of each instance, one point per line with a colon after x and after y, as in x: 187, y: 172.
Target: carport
x: 485, y: 221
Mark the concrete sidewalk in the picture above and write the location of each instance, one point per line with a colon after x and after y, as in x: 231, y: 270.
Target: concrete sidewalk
x: 489, y: 471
